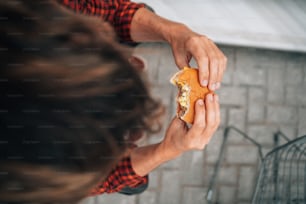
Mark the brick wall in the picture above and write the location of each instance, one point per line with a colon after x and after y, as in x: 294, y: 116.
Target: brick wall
x: 262, y: 92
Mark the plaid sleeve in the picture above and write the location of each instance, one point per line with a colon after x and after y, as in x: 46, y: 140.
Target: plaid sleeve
x: 121, y: 176
x: 117, y: 12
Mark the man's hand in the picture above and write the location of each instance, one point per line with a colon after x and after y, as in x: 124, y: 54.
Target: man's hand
x: 210, y: 59
x: 180, y: 139
x: 147, y: 26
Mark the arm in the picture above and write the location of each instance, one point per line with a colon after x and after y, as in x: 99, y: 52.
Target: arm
x: 120, y: 177
x: 179, y: 138
x: 119, y: 13
x: 133, y: 22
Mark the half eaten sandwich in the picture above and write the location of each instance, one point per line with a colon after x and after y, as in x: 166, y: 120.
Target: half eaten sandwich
x: 189, y: 91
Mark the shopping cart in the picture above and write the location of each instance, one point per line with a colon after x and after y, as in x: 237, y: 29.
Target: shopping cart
x: 282, y: 176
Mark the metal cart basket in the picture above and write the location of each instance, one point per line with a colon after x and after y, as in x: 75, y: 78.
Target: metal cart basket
x: 282, y: 176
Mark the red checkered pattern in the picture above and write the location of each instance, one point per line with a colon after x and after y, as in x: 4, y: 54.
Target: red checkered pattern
x: 120, y: 177
x: 117, y: 12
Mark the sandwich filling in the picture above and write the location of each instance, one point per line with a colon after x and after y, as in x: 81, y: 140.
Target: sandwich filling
x: 183, y: 98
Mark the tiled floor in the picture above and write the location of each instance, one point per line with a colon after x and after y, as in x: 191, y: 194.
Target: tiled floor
x: 262, y: 92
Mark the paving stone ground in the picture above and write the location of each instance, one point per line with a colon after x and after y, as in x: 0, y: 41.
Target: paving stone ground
x: 263, y: 91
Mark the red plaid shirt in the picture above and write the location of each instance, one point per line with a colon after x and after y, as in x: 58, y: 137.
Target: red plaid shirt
x: 120, y: 177
x: 117, y: 12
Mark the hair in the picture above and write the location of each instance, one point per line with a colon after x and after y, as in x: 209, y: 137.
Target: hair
x: 68, y: 97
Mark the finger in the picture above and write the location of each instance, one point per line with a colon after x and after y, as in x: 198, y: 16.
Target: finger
x: 202, y: 60
x: 222, y: 65
x: 220, y: 74
x: 213, y: 66
x: 199, y: 119
x: 203, y: 70
x: 197, y: 49
x: 217, y: 110
x: 210, y: 111
x: 214, y: 124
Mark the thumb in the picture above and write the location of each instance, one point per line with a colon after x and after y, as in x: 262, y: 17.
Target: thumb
x: 177, y: 126
x: 181, y: 59
x: 177, y: 123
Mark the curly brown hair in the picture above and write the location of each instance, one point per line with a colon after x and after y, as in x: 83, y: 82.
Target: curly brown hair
x: 68, y: 97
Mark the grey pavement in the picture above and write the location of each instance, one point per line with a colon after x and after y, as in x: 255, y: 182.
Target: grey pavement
x: 263, y: 91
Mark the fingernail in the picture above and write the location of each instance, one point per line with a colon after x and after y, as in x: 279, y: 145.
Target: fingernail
x: 204, y: 82
x: 200, y: 102
x: 218, y: 85
x: 212, y: 87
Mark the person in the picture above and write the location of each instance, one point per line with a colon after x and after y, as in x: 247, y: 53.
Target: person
x: 72, y: 106
x: 134, y: 23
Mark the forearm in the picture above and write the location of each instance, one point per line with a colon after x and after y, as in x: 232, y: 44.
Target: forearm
x: 147, y: 158
x: 147, y: 26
